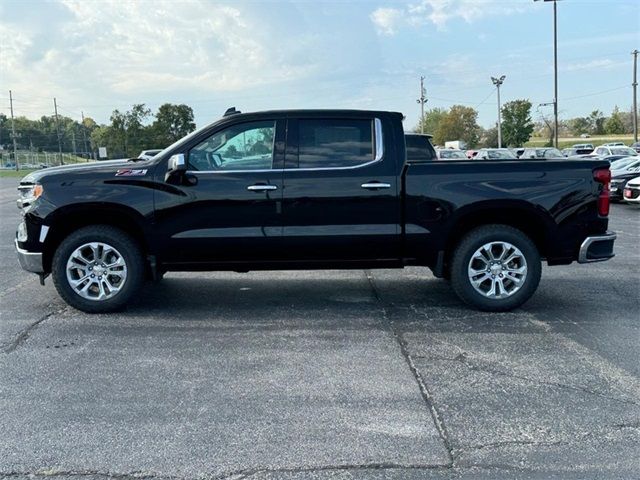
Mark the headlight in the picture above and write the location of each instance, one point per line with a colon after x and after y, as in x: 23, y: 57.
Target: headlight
x: 29, y: 194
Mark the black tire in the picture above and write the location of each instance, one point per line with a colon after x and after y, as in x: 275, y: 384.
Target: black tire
x: 126, y: 246
x: 474, y: 240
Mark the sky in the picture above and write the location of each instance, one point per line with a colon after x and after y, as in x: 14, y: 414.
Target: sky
x: 98, y: 55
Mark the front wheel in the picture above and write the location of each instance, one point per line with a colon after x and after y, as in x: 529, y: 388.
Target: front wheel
x: 495, y: 268
x: 98, y: 269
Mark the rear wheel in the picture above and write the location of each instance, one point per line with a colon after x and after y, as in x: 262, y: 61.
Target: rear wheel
x: 495, y: 268
x: 98, y: 269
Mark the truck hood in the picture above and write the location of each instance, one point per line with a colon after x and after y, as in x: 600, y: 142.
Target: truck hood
x: 98, y: 167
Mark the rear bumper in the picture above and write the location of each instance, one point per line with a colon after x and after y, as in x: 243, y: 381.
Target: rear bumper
x: 29, y: 261
x: 597, y: 248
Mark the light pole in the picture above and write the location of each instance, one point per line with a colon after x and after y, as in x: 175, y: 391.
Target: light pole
x: 555, y: 69
x: 497, y: 82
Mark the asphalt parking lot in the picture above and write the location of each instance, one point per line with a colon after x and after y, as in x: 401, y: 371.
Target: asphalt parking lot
x: 336, y: 374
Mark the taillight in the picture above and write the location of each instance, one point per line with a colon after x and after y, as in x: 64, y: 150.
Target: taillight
x: 603, y: 176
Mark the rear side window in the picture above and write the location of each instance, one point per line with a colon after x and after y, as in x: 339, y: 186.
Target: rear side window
x: 419, y: 148
x: 330, y: 143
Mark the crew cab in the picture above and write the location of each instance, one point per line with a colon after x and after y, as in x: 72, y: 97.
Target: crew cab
x: 310, y: 189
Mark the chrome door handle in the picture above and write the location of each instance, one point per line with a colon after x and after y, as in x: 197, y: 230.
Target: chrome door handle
x: 261, y: 188
x: 375, y: 185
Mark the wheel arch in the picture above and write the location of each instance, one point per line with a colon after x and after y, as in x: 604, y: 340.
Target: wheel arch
x: 536, y: 223
x: 68, y: 219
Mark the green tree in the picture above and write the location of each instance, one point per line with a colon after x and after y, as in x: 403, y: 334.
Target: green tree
x: 459, y: 123
x: 489, y: 138
x: 614, y: 124
x: 517, y: 126
x: 579, y: 125
x: 432, y: 119
x: 596, y: 120
x: 172, y: 123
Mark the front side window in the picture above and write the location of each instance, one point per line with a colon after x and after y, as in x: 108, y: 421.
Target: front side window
x: 331, y: 143
x: 245, y: 146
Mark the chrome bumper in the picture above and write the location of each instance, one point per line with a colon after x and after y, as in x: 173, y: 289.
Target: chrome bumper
x: 597, y: 248
x: 29, y: 261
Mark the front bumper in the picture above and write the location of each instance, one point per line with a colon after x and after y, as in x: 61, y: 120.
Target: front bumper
x: 597, y: 248
x: 29, y: 261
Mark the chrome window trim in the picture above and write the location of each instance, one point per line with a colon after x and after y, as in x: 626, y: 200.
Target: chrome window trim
x: 379, y: 154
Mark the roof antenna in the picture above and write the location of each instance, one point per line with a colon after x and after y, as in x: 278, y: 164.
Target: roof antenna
x: 231, y: 111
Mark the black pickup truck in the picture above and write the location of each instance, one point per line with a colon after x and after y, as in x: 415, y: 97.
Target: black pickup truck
x: 310, y: 189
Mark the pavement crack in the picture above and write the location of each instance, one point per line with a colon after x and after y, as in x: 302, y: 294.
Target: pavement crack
x: 23, y: 335
x: 464, y: 359
x: 427, y: 396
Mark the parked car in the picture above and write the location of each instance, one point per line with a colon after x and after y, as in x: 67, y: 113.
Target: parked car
x: 572, y: 152
x: 583, y: 146
x: 419, y: 147
x: 620, y: 177
x: 604, y: 150
x: 620, y: 163
x: 336, y: 191
x: 149, y: 154
x: 636, y: 146
x: 585, y: 135
x: 451, y: 154
x: 495, y: 154
x: 613, y: 144
x: 543, y: 152
x: 632, y: 191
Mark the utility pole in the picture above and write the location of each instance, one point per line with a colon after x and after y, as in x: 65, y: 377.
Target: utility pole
x: 635, y: 94
x: 55, y: 107
x: 555, y: 69
x: 497, y: 82
x: 84, y: 136
x: 422, y: 100
x: 13, y: 133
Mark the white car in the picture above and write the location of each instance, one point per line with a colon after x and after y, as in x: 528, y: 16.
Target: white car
x: 149, y: 154
x: 632, y: 191
x: 451, y: 154
x: 605, y: 150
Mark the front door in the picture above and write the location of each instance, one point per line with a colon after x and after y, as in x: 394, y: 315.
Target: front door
x: 228, y: 209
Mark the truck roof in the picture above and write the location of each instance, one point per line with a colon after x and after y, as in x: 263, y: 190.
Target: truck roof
x: 312, y: 112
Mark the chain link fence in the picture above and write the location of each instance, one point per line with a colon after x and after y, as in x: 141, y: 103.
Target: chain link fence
x: 27, y: 160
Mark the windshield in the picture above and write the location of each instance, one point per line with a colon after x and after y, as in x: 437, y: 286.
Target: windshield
x: 622, y: 162
x: 548, y: 153
x: 500, y: 155
x: 623, y: 151
x: 453, y: 154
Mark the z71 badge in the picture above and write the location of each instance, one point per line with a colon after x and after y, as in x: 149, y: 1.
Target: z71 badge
x: 131, y: 172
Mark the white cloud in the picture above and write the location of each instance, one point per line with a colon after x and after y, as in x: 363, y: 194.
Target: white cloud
x: 387, y: 19
x: 439, y: 13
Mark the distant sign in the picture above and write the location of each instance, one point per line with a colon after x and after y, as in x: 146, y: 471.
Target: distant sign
x: 102, y: 152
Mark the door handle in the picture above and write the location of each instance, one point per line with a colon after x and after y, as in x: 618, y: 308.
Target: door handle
x: 261, y: 188
x: 375, y: 185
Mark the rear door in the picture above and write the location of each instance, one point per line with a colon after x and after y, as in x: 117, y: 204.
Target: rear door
x: 341, y: 191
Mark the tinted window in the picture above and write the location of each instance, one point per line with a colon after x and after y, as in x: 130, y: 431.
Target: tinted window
x: 246, y: 146
x: 326, y: 143
x: 419, y: 148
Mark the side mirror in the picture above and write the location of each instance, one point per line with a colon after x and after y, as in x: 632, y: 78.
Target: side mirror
x: 177, y: 163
